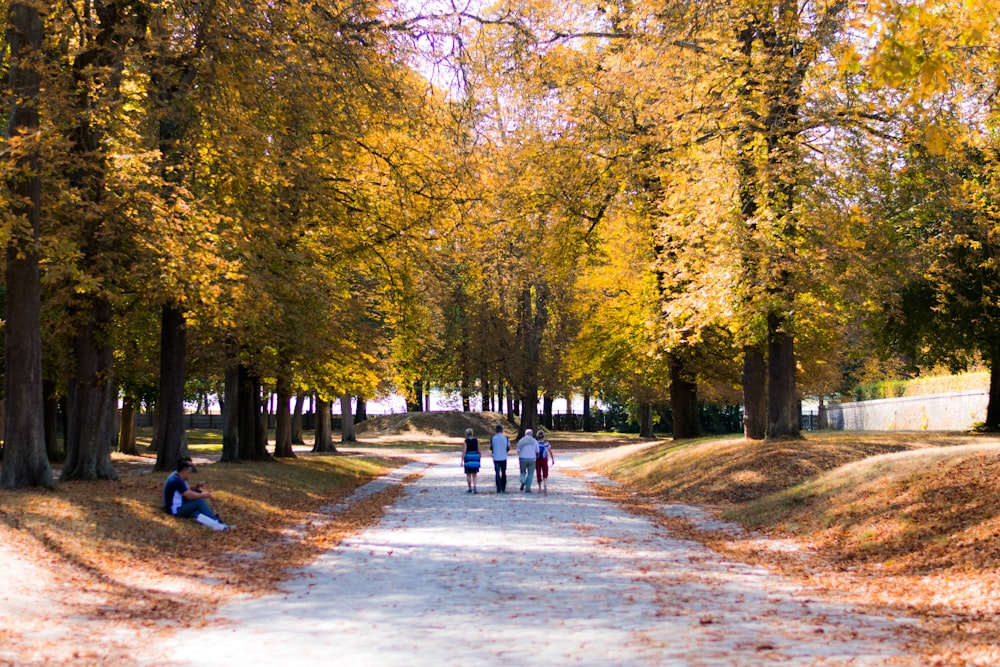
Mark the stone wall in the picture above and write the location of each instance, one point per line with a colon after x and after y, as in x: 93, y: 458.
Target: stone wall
x: 934, y: 412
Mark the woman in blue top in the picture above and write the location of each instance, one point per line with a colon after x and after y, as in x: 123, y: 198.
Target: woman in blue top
x: 470, y: 460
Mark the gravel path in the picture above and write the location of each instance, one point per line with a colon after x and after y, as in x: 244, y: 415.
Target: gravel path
x: 449, y: 578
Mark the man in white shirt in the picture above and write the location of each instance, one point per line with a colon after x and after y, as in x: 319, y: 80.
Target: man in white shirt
x: 527, y: 452
x: 499, y: 445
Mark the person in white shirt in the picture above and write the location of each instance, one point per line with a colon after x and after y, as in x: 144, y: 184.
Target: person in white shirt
x: 527, y: 452
x: 499, y: 445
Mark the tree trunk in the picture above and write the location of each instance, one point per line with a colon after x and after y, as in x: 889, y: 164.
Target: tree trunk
x: 346, y: 421
x: 323, y: 442
x: 360, y: 410
x: 416, y: 404
x: 529, y: 411
x: 231, y: 413
x: 283, y: 423
x: 588, y: 417
x: 265, y: 406
x: 126, y: 434
x: 297, y: 420
x: 547, y: 402
x: 783, y: 416
x: 154, y: 420
x: 993, y: 407
x: 91, y: 398
x: 683, y: 401
x: 96, y: 72
x: 754, y: 394
x: 466, y: 381
x: 260, y: 433
x: 532, y: 319
x: 51, y: 420
x: 249, y: 414
x: 173, y: 357
x: 646, y: 420
x: 114, y: 419
x: 25, y: 462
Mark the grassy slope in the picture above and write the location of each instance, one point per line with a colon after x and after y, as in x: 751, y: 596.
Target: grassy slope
x: 114, y: 538
x: 910, y: 501
x: 909, y: 519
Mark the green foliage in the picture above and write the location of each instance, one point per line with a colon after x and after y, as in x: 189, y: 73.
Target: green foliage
x: 922, y: 386
x: 716, y: 419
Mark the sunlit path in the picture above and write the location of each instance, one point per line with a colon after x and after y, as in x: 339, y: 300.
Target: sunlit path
x: 564, y: 579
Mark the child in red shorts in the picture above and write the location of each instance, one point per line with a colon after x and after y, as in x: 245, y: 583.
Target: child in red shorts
x: 542, y: 462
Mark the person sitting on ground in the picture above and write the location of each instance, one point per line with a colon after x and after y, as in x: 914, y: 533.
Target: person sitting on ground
x: 180, y: 499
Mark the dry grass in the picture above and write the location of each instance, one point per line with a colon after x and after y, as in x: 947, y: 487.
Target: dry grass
x: 722, y: 471
x: 102, y: 525
x: 105, y: 552
x: 906, y: 521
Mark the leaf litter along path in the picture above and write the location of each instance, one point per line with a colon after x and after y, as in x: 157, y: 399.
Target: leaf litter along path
x: 448, y: 578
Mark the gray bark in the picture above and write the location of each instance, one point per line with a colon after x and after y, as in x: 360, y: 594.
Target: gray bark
x: 783, y: 412
x: 346, y: 421
x: 25, y: 462
x: 173, y: 358
x: 754, y: 382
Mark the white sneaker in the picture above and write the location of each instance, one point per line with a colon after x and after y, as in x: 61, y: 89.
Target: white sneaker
x: 206, y: 520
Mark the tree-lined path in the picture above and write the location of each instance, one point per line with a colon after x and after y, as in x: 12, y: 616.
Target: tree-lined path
x: 448, y: 578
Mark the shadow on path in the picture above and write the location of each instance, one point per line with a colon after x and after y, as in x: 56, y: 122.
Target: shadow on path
x: 449, y: 578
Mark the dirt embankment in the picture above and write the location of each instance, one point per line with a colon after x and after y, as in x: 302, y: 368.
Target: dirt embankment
x: 450, y: 424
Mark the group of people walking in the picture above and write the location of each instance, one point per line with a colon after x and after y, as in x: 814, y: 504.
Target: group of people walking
x: 533, y: 454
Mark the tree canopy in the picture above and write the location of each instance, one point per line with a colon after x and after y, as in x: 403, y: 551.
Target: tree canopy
x: 663, y: 203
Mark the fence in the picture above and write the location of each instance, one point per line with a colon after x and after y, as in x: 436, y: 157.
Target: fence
x: 214, y: 421
x: 958, y: 411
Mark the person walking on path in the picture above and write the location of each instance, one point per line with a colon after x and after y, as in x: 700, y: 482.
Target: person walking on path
x: 542, y: 462
x: 499, y: 446
x: 470, y: 460
x: 527, y: 452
